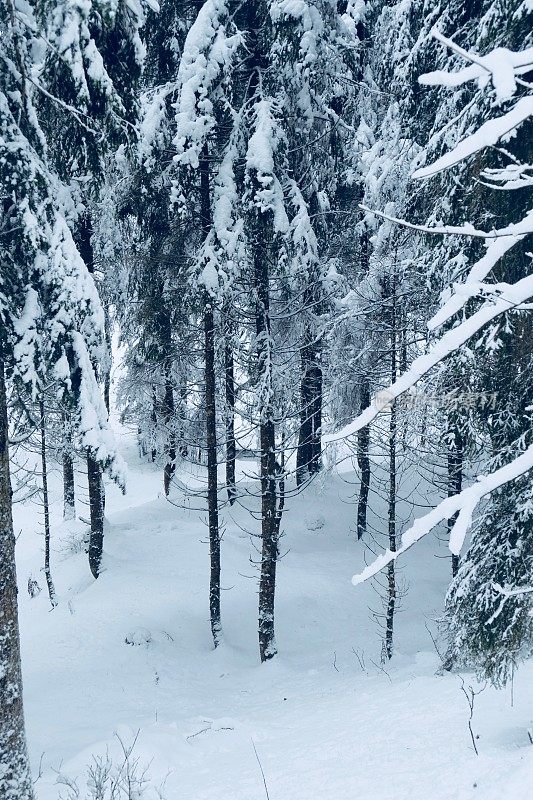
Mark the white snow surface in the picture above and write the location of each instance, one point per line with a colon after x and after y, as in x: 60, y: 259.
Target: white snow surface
x: 131, y: 652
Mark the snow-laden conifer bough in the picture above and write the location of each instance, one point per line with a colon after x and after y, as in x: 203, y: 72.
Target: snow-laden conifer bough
x: 501, y: 70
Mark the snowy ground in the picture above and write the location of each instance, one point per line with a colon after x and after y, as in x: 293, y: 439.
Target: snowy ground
x: 132, y: 653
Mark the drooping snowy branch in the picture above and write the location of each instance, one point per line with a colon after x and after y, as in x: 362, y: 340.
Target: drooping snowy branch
x: 521, y: 228
x: 267, y: 192
x: 501, y: 66
x: 510, y: 297
x: 488, y: 135
x: 496, y: 249
x: 465, y: 503
x: 208, y: 50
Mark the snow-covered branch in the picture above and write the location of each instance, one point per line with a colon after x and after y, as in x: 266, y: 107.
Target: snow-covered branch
x: 450, y: 342
x: 465, y: 503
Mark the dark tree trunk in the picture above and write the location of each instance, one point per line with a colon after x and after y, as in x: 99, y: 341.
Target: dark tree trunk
x: 309, y: 452
x: 280, y: 502
x: 212, y: 477
x: 107, y: 373
x: 15, y: 778
x: 94, y: 472
x: 270, y: 518
x: 69, y: 493
x: 96, y: 507
x: 153, y: 418
x: 46, y: 509
x: 211, y: 418
x: 168, y: 415
x: 183, y: 446
x: 261, y: 227
x: 363, y: 461
x: 391, y: 570
x: 455, y: 481
x: 316, y: 412
x: 230, y: 422
x: 303, y: 453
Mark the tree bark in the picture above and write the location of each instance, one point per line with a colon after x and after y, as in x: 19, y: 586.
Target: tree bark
x: 168, y: 413
x: 211, y: 418
x: 363, y: 461
x: 231, y: 449
x: 46, y: 508
x: 270, y: 519
x: 107, y: 372
x: 94, y: 473
x: 309, y: 452
x: 96, y: 507
x: 15, y: 778
x: 455, y: 482
x: 69, y: 493
x: 391, y: 572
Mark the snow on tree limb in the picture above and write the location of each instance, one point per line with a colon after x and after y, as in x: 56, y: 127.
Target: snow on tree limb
x: 501, y: 65
x: 521, y: 228
x: 513, y: 296
x: 465, y: 503
x: 489, y: 134
x: 496, y: 249
x: 207, y: 50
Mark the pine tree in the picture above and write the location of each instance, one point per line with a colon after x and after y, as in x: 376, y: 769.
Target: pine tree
x: 49, y: 315
x: 485, y: 606
x: 90, y: 77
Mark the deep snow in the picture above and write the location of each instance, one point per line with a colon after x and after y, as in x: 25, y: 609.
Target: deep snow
x: 132, y: 652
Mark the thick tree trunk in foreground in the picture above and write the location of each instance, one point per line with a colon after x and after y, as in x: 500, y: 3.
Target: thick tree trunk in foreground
x: 46, y: 508
x: 96, y: 506
x: 15, y: 779
x: 211, y: 418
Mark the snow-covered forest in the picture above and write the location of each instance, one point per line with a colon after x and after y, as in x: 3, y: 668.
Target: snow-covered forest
x: 266, y: 399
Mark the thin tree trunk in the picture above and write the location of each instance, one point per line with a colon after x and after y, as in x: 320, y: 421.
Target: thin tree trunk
x: 280, y: 503
x: 183, y: 446
x: 211, y: 418
x: 15, y: 778
x: 107, y: 373
x: 305, y: 434
x: 94, y: 473
x: 391, y: 572
x: 270, y: 513
x: 169, y: 412
x: 363, y: 461
x: 455, y: 482
x: 231, y: 449
x: 153, y: 418
x: 316, y: 413
x: 309, y: 452
x: 96, y: 506
x: 69, y: 493
x: 46, y: 508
